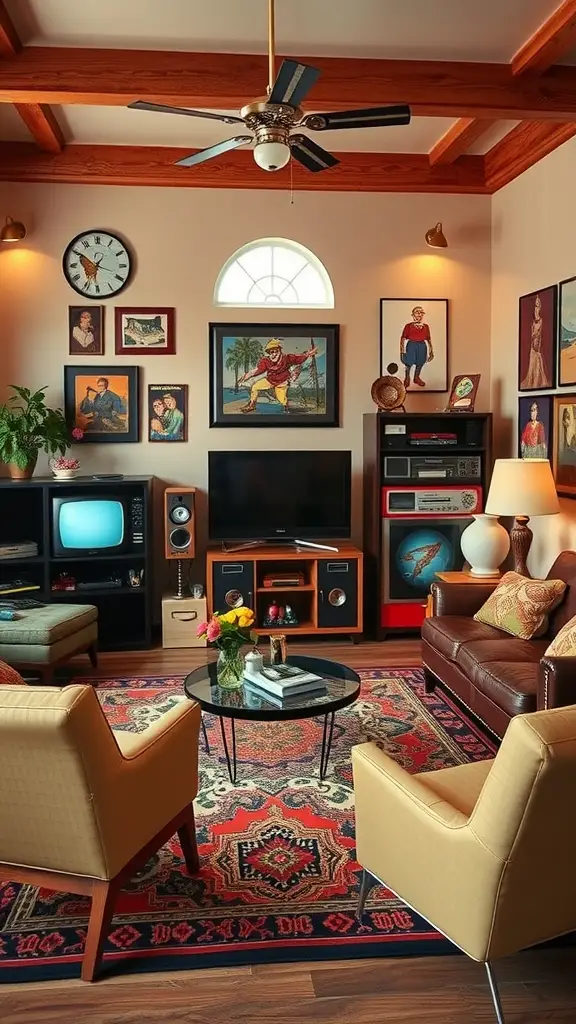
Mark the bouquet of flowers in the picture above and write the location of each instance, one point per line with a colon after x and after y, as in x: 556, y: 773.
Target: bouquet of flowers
x: 229, y: 631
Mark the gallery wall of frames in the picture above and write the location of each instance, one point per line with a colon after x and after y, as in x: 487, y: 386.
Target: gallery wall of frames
x: 547, y: 364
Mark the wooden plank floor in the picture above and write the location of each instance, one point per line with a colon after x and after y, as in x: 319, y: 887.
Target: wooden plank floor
x: 536, y: 986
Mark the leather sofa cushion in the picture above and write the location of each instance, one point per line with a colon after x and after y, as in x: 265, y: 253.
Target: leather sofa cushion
x: 512, y: 685
x: 480, y: 652
x: 447, y: 633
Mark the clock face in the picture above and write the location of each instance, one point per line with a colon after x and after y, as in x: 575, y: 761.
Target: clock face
x: 97, y: 264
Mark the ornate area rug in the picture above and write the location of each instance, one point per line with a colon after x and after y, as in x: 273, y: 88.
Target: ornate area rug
x: 279, y: 879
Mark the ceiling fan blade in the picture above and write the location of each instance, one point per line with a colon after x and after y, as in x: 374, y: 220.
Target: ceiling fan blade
x: 293, y: 83
x: 162, y: 109
x: 212, y: 151
x: 311, y: 155
x: 371, y: 117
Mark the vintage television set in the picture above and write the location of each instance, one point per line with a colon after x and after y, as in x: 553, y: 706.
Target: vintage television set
x: 279, y: 496
x: 97, y: 523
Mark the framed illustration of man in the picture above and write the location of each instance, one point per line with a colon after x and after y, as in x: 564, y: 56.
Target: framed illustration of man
x: 274, y: 375
x: 167, y: 412
x: 535, y: 427
x: 102, y: 401
x: 537, y: 339
x: 564, y: 444
x: 414, y: 332
x: 86, y: 330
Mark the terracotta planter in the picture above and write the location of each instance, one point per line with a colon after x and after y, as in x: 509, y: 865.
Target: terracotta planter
x: 22, y: 474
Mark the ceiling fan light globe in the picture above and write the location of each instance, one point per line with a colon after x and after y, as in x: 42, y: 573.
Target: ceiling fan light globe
x: 271, y: 156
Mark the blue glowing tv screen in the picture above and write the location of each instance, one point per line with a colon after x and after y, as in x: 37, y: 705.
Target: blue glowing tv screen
x: 89, y: 525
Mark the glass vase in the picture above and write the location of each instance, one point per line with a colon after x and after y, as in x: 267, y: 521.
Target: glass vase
x: 230, y: 668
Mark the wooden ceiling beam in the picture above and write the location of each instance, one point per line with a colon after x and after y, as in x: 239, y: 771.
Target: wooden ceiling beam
x: 227, y: 81
x: 525, y: 145
x: 150, y: 165
x: 458, y: 139
x: 553, y: 40
x: 37, y: 117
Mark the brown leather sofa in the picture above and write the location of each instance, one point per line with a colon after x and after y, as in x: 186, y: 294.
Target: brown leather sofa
x: 495, y: 675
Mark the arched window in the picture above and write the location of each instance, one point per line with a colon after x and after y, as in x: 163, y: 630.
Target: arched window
x: 274, y: 272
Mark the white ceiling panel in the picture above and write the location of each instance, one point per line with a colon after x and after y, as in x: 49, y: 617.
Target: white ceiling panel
x: 494, y: 135
x: 419, y: 29
x: 12, y: 127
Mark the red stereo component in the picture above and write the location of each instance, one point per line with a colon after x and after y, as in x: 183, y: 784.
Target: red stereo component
x: 402, y: 616
x: 434, y: 501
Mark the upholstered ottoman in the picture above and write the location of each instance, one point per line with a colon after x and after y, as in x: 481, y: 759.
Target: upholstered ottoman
x: 41, y: 638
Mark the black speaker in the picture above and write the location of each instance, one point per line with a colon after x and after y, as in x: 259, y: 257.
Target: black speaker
x: 179, y: 522
x: 232, y: 585
x: 337, y: 593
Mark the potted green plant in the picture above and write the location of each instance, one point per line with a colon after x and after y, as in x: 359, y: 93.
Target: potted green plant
x: 28, y: 426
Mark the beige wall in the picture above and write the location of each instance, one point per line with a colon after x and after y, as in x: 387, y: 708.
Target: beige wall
x: 372, y: 246
x: 533, y: 245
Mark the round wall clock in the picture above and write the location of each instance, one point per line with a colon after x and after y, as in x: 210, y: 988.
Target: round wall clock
x: 97, y: 264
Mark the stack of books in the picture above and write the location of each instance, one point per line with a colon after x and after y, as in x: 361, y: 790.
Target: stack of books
x: 285, y: 684
x: 18, y: 549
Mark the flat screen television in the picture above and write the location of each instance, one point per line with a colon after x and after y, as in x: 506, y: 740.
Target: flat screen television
x: 273, y: 495
x: 99, y: 525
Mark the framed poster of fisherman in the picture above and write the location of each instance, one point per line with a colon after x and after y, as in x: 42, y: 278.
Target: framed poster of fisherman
x: 274, y: 375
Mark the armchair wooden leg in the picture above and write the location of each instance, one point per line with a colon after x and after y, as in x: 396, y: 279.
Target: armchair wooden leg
x: 494, y: 992
x: 93, y: 655
x: 429, y: 681
x: 187, y: 837
x: 103, y: 899
x: 366, y: 884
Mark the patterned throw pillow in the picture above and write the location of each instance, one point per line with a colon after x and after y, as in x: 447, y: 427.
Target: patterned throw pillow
x: 564, y: 643
x: 9, y: 676
x: 521, y: 606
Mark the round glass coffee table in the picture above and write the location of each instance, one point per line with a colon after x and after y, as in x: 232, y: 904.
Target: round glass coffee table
x: 341, y: 688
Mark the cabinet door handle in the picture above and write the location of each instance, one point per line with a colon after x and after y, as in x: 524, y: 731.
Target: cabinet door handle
x: 250, y: 601
x: 184, y: 616
x: 321, y: 593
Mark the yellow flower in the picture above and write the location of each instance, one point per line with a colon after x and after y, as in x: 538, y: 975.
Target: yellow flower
x: 244, y: 621
x: 228, y: 617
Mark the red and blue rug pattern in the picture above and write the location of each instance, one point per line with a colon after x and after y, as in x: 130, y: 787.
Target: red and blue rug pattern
x: 279, y: 878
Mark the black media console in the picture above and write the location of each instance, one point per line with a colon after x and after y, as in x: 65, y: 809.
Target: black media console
x: 124, y: 610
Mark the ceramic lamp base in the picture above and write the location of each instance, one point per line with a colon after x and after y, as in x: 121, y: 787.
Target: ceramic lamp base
x: 485, y: 544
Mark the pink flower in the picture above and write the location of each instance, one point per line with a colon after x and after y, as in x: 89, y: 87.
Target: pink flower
x: 213, y: 630
x: 202, y: 628
x: 77, y: 433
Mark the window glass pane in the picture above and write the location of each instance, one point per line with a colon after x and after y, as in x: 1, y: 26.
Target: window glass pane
x: 257, y: 261
x: 287, y: 263
x: 234, y: 285
x: 310, y: 286
x: 267, y: 272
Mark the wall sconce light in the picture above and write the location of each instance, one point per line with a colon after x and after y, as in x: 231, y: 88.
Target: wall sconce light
x: 436, y: 238
x: 13, y: 231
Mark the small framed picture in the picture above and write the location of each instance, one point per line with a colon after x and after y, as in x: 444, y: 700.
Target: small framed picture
x: 101, y: 403
x: 86, y: 330
x: 463, y: 391
x: 535, y: 427
x: 414, y: 333
x: 148, y: 330
x: 567, y: 334
x: 564, y: 444
x: 537, y: 340
x: 167, y: 412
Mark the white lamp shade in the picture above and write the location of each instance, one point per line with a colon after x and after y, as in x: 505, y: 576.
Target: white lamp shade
x: 522, y: 487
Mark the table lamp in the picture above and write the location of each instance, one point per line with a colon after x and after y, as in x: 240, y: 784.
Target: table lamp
x: 522, y: 488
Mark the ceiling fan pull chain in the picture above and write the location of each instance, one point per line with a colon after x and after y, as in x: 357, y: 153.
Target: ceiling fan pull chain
x: 291, y: 181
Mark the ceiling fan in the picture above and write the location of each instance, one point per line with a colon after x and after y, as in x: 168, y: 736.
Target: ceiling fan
x: 273, y: 118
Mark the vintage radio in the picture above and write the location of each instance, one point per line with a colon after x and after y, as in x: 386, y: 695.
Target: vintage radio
x: 451, y: 500
x: 433, y: 467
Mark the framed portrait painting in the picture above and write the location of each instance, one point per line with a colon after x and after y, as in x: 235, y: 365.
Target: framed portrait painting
x: 414, y: 334
x: 564, y: 444
x: 567, y: 334
x: 535, y: 427
x: 537, y: 340
x: 86, y: 330
x: 102, y: 403
x: 149, y: 330
x: 167, y: 412
x: 274, y: 375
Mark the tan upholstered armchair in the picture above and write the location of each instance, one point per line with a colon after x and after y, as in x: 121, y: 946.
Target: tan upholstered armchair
x: 467, y: 847
x: 82, y: 807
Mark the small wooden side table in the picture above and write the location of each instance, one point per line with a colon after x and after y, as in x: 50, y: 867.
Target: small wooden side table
x: 463, y: 576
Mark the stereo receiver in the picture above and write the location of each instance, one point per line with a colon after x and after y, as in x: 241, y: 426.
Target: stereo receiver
x: 431, y: 501
x: 432, y: 467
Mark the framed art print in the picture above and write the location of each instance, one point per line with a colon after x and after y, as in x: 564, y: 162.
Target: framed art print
x: 535, y: 427
x: 274, y: 375
x: 149, y: 330
x: 567, y: 334
x: 167, y: 412
x: 537, y: 339
x: 564, y: 444
x: 86, y: 330
x: 102, y: 403
x: 463, y: 391
x: 414, y: 333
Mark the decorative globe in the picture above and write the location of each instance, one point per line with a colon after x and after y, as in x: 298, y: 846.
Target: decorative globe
x: 421, y: 555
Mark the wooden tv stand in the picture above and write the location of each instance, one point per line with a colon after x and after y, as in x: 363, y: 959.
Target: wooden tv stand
x: 328, y: 601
